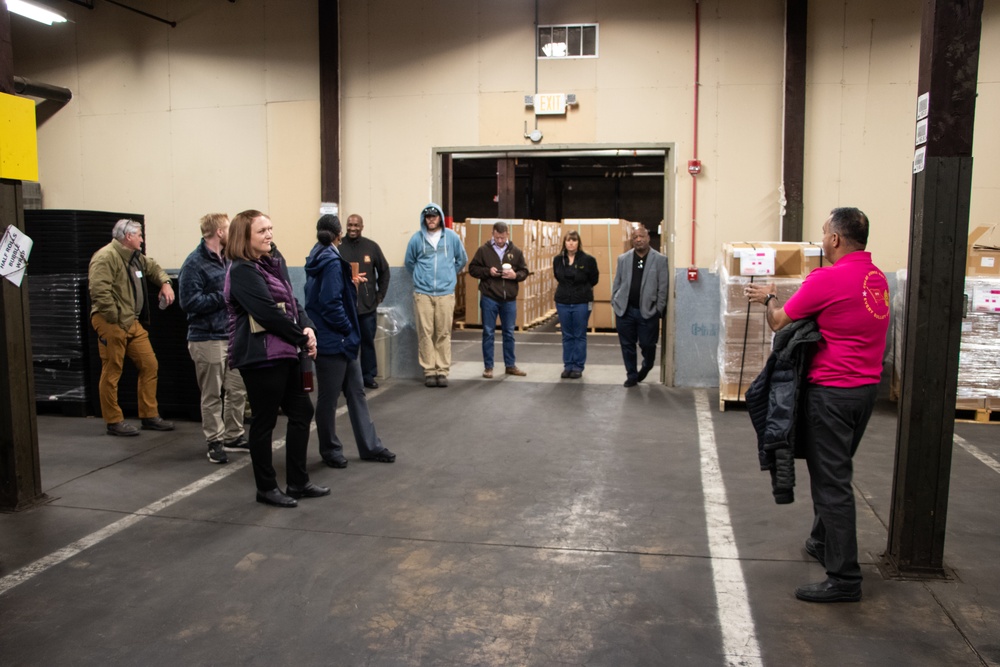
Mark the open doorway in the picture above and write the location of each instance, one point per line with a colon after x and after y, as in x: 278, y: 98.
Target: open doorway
x: 554, y: 185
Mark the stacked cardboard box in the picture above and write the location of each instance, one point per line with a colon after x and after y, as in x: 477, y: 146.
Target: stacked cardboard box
x: 605, y: 239
x: 979, y: 351
x: 460, y: 229
x: 537, y: 239
x: 744, y: 336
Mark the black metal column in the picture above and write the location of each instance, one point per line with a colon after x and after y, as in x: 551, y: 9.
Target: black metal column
x: 939, y: 229
x: 794, y: 127
x: 329, y: 100
x: 20, y: 471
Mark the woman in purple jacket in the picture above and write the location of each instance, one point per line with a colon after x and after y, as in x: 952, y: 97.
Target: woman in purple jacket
x: 267, y: 331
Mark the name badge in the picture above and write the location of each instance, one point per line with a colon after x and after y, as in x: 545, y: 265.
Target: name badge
x: 138, y: 273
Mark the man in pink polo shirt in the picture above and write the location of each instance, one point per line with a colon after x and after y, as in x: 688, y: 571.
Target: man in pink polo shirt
x: 849, y: 301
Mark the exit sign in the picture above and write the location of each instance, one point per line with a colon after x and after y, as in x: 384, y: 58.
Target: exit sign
x: 550, y: 104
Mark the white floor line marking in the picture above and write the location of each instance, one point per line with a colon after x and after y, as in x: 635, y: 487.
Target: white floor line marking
x: 739, y: 636
x: 978, y: 453
x: 42, y: 564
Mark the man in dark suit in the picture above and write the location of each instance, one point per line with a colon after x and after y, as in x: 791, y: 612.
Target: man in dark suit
x: 639, y: 299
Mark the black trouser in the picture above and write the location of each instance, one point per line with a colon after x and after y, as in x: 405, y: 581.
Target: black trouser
x: 369, y: 362
x: 268, y: 389
x: 833, y: 422
x: 634, y: 328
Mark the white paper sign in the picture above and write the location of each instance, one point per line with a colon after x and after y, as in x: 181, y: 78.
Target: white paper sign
x: 757, y: 262
x: 15, y: 247
x: 987, y: 262
x: 986, y: 300
x: 923, y: 105
x: 919, y: 159
x: 921, y: 131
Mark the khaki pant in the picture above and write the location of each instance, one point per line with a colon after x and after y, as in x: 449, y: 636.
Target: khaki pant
x: 114, y: 343
x: 434, y: 318
x: 223, y: 396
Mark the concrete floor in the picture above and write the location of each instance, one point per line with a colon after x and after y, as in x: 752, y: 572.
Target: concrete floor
x: 527, y: 521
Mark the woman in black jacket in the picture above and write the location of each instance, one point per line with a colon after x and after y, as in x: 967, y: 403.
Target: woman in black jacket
x: 267, y: 330
x: 576, y: 274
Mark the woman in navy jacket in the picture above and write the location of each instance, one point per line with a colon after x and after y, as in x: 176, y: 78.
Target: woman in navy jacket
x: 332, y: 303
x: 267, y: 331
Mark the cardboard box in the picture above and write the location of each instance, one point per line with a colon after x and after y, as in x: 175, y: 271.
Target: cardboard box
x: 791, y: 260
x: 735, y: 327
x: 602, y: 317
x: 750, y: 358
x: 983, y: 257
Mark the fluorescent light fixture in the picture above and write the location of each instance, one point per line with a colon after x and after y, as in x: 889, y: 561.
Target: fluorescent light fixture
x: 34, y: 11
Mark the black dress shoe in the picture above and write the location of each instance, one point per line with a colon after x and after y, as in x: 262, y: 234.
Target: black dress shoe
x: 816, y: 550
x: 157, y: 424
x: 829, y: 591
x: 630, y: 382
x: 277, y: 498
x: 371, y: 384
x: 383, y: 456
x: 310, y: 490
x: 336, y: 462
x: 643, y: 372
x: 566, y: 375
x: 576, y: 375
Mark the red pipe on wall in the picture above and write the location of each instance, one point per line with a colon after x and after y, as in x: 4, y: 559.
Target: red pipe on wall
x: 697, y: 84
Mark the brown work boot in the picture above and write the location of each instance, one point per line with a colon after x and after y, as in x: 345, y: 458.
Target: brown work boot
x: 488, y: 373
x: 514, y: 370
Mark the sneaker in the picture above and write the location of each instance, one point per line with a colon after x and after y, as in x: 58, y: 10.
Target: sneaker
x: 240, y: 444
x: 442, y: 380
x: 514, y: 370
x: 157, y: 423
x: 430, y: 381
x: 122, y: 428
x: 566, y: 375
x: 216, y: 454
x: 576, y: 375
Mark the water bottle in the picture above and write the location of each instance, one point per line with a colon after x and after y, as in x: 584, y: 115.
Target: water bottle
x: 306, y: 368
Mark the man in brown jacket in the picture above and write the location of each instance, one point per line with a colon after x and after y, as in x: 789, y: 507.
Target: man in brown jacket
x: 119, y: 278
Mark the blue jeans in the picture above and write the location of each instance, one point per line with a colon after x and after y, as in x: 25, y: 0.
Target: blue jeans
x: 634, y: 328
x: 573, y: 321
x: 507, y: 310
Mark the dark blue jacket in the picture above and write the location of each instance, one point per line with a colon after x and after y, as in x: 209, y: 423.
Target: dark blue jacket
x: 199, y: 293
x: 332, y: 302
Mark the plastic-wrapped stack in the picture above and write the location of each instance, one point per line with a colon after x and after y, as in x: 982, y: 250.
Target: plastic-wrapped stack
x: 979, y: 358
x: 744, y: 336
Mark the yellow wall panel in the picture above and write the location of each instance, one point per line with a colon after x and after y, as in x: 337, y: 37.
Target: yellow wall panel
x: 18, y: 141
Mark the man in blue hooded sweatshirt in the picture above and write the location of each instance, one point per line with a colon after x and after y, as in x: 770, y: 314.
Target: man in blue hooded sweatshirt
x: 434, y: 256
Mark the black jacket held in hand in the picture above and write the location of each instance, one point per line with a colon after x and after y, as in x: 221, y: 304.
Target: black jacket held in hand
x: 773, y: 402
x: 575, y: 282
x: 495, y: 287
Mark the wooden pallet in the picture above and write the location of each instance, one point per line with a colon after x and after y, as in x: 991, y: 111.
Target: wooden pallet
x: 977, y: 416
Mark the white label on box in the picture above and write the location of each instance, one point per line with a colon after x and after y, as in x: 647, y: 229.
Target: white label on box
x: 988, y: 262
x: 966, y: 326
x: 986, y: 300
x: 757, y: 262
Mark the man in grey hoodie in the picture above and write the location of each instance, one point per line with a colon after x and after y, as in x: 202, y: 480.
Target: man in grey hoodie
x: 434, y: 256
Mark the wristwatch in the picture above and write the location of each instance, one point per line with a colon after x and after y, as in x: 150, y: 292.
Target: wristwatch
x: 768, y: 298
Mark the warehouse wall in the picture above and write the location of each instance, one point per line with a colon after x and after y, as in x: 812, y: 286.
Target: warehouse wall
x: 222, y: 112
